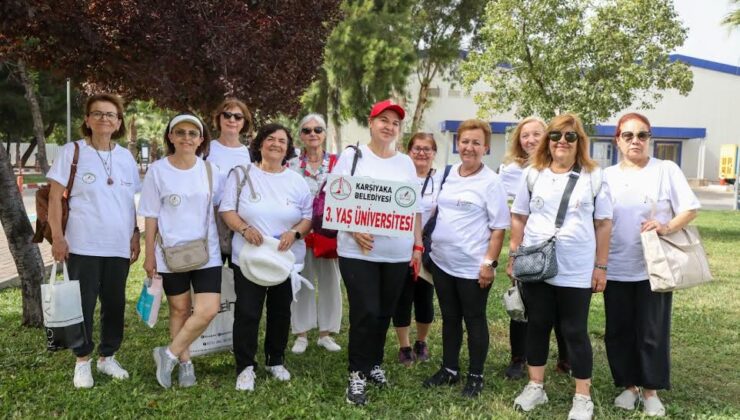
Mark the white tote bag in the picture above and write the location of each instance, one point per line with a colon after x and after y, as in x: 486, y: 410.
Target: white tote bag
x: 61, y: 301
x: 675, y: 261
x: 219, y: 334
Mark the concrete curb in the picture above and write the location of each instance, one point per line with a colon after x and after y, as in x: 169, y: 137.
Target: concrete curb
x: 15, y: 281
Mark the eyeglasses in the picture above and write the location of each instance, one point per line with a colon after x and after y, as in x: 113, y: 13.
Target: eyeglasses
x: 426, y: 150
x: 570, y: 136
x: 307, y: 130
x: 99, y: 115
x: 193, y: 134
x: 642, y: 135
x: 227, y: 115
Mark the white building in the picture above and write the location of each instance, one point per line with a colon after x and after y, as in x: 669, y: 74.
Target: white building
x: 686, y: 129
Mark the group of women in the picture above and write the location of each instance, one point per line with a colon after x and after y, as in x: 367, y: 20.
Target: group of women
x: 264, y: 195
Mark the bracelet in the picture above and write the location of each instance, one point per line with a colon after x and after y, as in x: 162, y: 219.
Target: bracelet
x: 419, y: 248
x: 244, y: 229
x: 600, y: 267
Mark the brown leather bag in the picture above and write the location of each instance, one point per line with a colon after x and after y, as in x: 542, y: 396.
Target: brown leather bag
x: 43, y: 228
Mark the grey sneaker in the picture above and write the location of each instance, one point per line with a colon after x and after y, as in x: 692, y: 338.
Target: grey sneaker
x: 583, y: 408
x: 627, y: 400
x: 653, y: 406
x: 165, y: 366
x: 532, y: 396
x: 186, y: 374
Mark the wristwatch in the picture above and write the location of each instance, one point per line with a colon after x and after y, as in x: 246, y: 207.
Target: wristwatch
x: 297, y: 234
x: 490, y: 263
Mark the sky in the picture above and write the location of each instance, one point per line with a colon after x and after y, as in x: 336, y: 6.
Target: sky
x: 708, y: 38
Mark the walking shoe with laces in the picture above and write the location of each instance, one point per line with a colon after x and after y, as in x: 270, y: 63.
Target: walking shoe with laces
x: 299, y: 346
x: 355, y: 393
x: 111, y: 367
x: 406, y: 356
x: 83, y: 375
x: 186, y: 374
x: 515, y: 369
x: 245, y: 380
x: 421, y: 350
x: 473, y: 386
x: 377, y: 377
x: 279, y: 372
x: 532, y: 396
x: 442, y: 377
x: 627, y: 400
x: 583, y: 408
x: 653, y: 406
x: 165, y: 366
x: 328, y: 343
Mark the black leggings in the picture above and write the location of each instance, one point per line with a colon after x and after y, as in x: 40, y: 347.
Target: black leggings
x: 638, y: 334
x: 518, y: 341
x: 420, y: 294
x: 373, y: 289
x: 462, y: 299
x: 569, y: 306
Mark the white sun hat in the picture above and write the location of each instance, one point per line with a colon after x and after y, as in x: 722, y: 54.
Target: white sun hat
x: 265, y: 265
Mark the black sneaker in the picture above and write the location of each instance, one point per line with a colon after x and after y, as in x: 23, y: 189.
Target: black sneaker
x: 442, y: 377
x: 377, y: 377
x: 515, y: 369
x: 473, y: 386
x: 421, y: 350
x: 406, y: 356
x: 355, y: 393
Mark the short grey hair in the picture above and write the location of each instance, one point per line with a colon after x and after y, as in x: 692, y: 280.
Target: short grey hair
x: 313, y: 116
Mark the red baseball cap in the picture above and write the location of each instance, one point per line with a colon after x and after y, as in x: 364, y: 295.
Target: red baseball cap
x: 387, y: 104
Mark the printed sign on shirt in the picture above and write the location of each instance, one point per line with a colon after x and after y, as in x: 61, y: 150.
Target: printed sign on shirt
x: 367, y: 205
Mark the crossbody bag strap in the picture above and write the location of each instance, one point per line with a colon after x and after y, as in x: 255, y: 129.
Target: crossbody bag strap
x: 239, y: 183
x: 358, y: 155
x: 575, y: 173
x: 72, y: 170
x: 433, y: 219
x: 426, y: 181
x: 248, y: 179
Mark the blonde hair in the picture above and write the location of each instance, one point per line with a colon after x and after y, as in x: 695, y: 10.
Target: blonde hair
x: 515, y: 152
x: 542, y: 157
x: 474, y: 124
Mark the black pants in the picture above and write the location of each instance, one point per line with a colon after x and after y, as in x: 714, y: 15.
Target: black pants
x: 569, y: 306
x: 103, y: 277
x: 420, y: 294
x: 638, y: 334
x: 462, y: 299
x: 250, y: 299
x: 518, y: 341
x: 373, y: 289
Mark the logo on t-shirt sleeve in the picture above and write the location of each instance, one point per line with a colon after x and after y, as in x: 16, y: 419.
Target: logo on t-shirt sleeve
x: 174, y: 200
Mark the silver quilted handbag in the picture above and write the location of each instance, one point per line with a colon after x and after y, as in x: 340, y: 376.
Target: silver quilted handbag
x: 535, y: 263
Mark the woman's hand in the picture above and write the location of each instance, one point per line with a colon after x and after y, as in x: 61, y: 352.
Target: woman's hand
x: 598, y: 280
x: 364, y: 240
x: 486, y: 276
x: 252, y: 235
x: 661, y: 229
x: 287, y: 239
x: 60, y: 249
x: 135, y: 246
x: 150, y: 265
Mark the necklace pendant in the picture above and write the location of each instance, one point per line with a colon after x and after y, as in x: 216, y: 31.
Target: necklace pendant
x: 110, y: 181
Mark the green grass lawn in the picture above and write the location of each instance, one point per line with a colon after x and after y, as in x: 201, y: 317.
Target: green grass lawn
x: 705, y: 356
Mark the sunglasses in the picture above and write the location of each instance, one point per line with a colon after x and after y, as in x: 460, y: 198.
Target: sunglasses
x: 227, y: 115
x: 642, y: 135
x: 570, y: 136
x: 307, y: 130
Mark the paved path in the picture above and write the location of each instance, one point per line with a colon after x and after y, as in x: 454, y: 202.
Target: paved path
x: 712, y: 198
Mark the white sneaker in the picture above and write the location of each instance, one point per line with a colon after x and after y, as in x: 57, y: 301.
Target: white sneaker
x: 653, y: 406
x: 627, y: 400
x: 279, y: 372
x: 583, y: 408
x: 300, y: 344
x: 83, y: 375
x: 111, y: 367
x: 328, y: 343
x: 532, y: 396
x: 245, y: 380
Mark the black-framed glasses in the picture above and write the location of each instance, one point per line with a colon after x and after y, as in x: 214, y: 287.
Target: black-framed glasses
x: 99, y: 115
x: 228, y: 115
x: 570, y: 136
x: 425, y: 150
x: 641, y: 135
x: 307, y: 130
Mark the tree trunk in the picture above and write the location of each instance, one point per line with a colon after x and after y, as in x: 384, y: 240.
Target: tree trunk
x: 421, y: 105
x: 38, y: 122
x: 19, y: 232
x: 27, y: 154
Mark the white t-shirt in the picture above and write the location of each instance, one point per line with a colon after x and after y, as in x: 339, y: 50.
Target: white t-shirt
x: 178, y: 199
x: 510, y: 175
x: 314, y: 177
x: 101, y: 216
x: 283, y: 199
x: 634, y: 195
x: 399, y: 168
x: 576, y: 241
x: 469, y: 208
x: 429, y: 198
x: 225, y: 158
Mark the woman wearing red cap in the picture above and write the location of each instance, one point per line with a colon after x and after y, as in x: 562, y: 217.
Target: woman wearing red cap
x: 374, y: 267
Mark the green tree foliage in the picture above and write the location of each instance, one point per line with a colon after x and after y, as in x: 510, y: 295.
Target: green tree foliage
x: 544, y: 57
x: 733, y: 18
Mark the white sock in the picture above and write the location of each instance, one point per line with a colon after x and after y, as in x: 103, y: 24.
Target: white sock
x: 585, y: 396
x: 187, y: 362
x: 170, y: 354
x: 454, y: 372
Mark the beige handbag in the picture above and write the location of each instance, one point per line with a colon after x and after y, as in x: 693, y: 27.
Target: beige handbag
x: 674, y: 261
x: 192, y: 254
